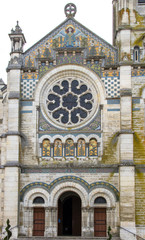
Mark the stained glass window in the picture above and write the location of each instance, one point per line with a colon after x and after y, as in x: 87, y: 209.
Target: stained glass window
x: 57, y: 148
x: 69, y: 148
x: 81, y: 150
x: 46, y: 148
x: 93, y: 147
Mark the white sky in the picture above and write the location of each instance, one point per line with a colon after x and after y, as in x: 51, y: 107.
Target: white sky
x: 38, y: 18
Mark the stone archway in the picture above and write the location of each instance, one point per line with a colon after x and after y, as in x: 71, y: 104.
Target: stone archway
x: 69, y: 214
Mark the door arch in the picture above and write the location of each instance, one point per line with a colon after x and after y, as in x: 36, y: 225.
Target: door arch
x: 69, y: 214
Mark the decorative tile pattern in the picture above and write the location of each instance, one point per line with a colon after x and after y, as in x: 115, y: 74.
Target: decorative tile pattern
x: 28, y: 84
x: 85, y: 184
x: 43, y: 68
x: 112, y: 85
x: 96, y: 67
x: 69, y: 59
x: 138, y: 72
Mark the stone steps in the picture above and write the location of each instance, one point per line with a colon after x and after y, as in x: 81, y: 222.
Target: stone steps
x: 66, y: 238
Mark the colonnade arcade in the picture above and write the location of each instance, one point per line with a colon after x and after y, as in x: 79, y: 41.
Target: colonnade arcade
x: 49, y: 211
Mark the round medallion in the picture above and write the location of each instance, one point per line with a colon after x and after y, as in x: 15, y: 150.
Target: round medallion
x: 69, y: 102
x: 70, y: 10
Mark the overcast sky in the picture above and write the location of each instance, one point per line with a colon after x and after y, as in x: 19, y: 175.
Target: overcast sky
x: 38, y: 18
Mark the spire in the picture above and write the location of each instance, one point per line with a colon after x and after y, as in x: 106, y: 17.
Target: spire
x: 17, y: 29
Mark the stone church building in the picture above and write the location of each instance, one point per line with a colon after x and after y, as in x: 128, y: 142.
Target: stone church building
x: 72, y: 131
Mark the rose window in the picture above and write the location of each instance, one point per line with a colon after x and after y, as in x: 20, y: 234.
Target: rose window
x: 70, y: 102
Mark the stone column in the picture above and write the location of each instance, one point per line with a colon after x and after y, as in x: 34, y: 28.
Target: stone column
x: 47, y: 222
x: 87, y: 222
x: 53, y: 221
x: 127, y: 168
x: 28, y: 221
x: 11, y: 177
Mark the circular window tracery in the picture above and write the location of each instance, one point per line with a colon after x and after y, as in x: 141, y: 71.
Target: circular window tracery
x: 70, y: 102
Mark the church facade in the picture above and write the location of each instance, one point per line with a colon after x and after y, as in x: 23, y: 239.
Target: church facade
x: 72, y: 125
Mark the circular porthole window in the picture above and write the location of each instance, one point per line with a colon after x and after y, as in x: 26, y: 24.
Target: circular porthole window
x: 70, y: 101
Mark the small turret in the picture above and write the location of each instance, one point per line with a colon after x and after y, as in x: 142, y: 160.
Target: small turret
x: 17, y: 43
x: 17, y: 39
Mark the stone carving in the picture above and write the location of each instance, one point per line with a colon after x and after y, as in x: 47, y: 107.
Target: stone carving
x: 70, y: 10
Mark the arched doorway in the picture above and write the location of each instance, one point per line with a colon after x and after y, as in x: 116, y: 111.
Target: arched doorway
x: 69, y: 214
x: 100, y: 217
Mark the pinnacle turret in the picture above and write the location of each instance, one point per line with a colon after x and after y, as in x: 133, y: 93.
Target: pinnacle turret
x: 17, y: 39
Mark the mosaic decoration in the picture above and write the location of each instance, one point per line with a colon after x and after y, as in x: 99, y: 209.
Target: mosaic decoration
x: 138, y: 73
x: 44, y: 125
x: 46, y: 149
x: 93, y: 150
x: 111, y: 80
x: 81, y: 148
x: 78, y: 59
x: 71, y: 170
x: 69, y: 148
x: 82, y: 182
x: 28, y: 85
x: 50, y: 52
x: 43, y: 68
x: 96, y: 67
x: 57, y: 148
x: 69, y: 35
x: 94, y: 125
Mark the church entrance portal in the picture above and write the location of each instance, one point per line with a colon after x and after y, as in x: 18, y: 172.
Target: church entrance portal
x: 69, y: 214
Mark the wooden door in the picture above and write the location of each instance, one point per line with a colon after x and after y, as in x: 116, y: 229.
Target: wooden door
x: 39, y: 222
x: 76, y: 216
x: 60, y: 218
x: 100, y: 222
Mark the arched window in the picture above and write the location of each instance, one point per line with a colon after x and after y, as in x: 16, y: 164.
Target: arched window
x: 93, y: 151
x: 69, y: 148
x: 81, y: 149
x: 136, y: 55
x: 38, y: 200
x: 46, y: 150
x: 100, y: 200
x: 57, y: 148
